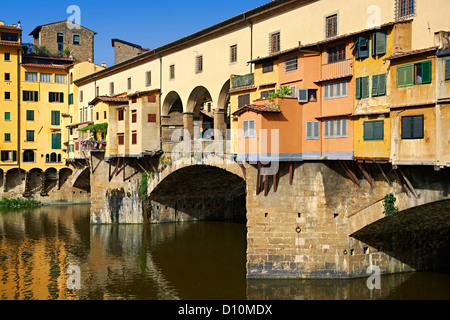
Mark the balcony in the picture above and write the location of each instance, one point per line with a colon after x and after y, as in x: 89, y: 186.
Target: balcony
x: 336, y: 70
x: 238, y: 82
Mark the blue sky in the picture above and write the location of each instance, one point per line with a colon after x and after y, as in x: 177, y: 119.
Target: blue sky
x: 148, y: 23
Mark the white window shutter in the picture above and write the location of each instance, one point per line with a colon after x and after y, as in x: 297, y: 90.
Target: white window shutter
x: 317, y: 130
x: 302, y: 95
x: 294, y: 91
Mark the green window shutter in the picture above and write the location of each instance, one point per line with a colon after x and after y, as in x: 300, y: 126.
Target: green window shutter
x: 55, y: 118
x: 364, y: 87
x: 56, y: 140
x: 409, y: 75
x: 61, y: 97
x: 378, y: 130
x: 24, y: 95
x: 406, y: 127
x: 447, y: 69
x: 358, y: 88
x: 426, y: 71
x: 417, y: 129
x: 363, y: 48
x: 382, y: 84
x: 3, y: 156
x: 14, y: 155
x: 368, y: 130
x: 375, y: 85
x: 400, y: 76
x: 50, y: 97
x: 379, y: 43
x: 36, y: 96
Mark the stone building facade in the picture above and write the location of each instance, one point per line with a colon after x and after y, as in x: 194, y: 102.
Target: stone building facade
x: 59, y: 35
x: 124, y: 50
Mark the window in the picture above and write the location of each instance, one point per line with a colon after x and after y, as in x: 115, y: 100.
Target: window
x: 28, y: 156
x: 134, y: 116
x: 411, y: 74
x: 265, y: 94
x: 97, y: 116
x: 76, y: 39
x: 413, y: 127
x: 7, y: 77
x: 336, y: 54
x: 331, y: 26
x: 249, y: 129
x: 111, y: 88
x: 341, y: 128
x: 7, y: 116
x: 151, y: 117
x: 172, y: 71
x: 55, y: 118
x: 30, y: 96
x: 335, y: 90
x: 233, y: 53
x: 329, y: 129
x: 46, y: 77
x: 267, y: 66
x: 362, y: 47
x: 30, y: 115
x: 379, y: 85
x: 290, y: 64
x: 134, y: 137
x: 379, y: 40
x: 56, y: 97
x: 31, y: 76
x: 447, y: 69
x: 120, y: 139
x: 104, y: 114
x: 7, y: 56
x: 120, y: 115
x: 81, y: 96
x: 307, y: 95
x: 293, y: 91
x: 30, y: 136
x: 60, y: 41
x: 8, y: 156
x: 60, y: 78
x: 274, y: 42
x: 148, y: 78
x: 198, y: 64
x: 7, y: 137
x: 362, y: 88
x: 373, y: 130
x: 405, y: 9
x: 312, y: 130
x: 7, y: 95
x: 71, y: 99
x: 243, y: 100
x: 56, y: 141
x: 97, y: 91
x: 129, y: 84
x: 8, y: 36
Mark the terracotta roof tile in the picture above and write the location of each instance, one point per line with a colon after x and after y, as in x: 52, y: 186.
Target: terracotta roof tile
x: 412, y: 52
x: 257, y: 109
x: 10, y: 43
x: 51, y: 66
x: 109, y: 99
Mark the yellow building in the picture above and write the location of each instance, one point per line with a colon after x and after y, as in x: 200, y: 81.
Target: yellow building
x: 10, y: 55
x: 372, y: 139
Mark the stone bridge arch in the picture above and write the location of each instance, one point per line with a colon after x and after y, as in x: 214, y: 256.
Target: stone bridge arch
x: 209, y: 189
x: 82, y: 179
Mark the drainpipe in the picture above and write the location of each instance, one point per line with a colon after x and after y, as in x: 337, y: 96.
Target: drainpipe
x: 251, y: 41
x: 19, y: 128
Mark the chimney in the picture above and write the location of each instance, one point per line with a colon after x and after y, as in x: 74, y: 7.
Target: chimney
x: 18, y: 24
x: 104, y: 64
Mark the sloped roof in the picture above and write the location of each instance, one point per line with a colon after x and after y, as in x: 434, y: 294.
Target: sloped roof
x: 257, y: 109
x: 109, y: 99
x: 38, y: 28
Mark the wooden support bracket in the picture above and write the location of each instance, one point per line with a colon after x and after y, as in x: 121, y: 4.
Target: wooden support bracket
x: 366, y: 174
x: 275, y: 182
x: 408, y: 183
x: 350, y: 173
x: 291, y: 173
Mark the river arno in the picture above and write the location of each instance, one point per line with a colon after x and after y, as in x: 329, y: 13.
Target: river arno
x: 188, y: 261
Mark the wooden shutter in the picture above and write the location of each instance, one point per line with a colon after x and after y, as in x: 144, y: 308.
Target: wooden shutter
x: 358, y: 88
x: 152, y: 99
x: 379, y: 43
x: 401, y: 76
x: 50, y: 97
x: 3, y: 156
x: 406, y: 127
x: 417, y: 127
x: 245, y: 127
x: 364, y: 87
x: 251, y: 129
x: 309, y: 129
x: 426, y: 72
x: 447, y: 69
x: 303, y: 95
x: 368, y: 130
x: 409, y: 75
x: 375, y: 85
x: 382, y: 84
x: 316, y: 130
x: 363, y: 48
x: 378, y: 130
x: 14, y: 154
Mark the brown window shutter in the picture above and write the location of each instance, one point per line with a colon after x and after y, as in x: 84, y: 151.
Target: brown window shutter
x: 151, y: 117
x: 152, y: 99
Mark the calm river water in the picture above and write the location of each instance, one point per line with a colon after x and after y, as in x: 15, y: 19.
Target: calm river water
x: 189, y: 261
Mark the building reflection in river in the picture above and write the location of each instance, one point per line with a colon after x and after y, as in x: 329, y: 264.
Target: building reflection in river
x: 189, y: 261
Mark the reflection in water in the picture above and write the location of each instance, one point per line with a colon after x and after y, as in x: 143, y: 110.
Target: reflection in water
x: 189, y: 261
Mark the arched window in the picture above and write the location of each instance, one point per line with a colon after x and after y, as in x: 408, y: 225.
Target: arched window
x: 59, y: 157
x: 28, y: 156
x: 53, y: 157
x: 47, y: 158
